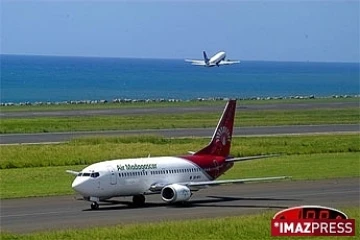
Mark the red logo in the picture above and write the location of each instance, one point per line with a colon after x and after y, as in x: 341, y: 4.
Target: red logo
x: 312, y: 221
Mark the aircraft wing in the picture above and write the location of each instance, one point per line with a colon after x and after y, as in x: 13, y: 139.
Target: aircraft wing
x: 196, y: 62
x: 72, y: 172
x: 156, y: 187
x: 228, y: 62
x: 239, y: 159
x: 194, y: 186
x: 245, y: 180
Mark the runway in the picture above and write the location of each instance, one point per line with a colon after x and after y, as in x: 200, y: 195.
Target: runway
x: 33, y: 138
x: 63, y: 212
x: 170, y: 133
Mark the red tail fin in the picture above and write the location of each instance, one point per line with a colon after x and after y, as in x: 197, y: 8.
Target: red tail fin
x: 221, y: 141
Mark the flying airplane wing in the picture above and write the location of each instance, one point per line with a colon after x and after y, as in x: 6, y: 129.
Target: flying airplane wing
x: 228, y: 62
x: 196, y: 62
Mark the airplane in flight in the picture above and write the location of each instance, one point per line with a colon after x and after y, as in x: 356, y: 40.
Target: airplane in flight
x: 217, y: 60
x: 174, y: 178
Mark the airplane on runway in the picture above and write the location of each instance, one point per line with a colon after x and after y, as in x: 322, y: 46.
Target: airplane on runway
x: 217, y: 60
x: 174, y: 178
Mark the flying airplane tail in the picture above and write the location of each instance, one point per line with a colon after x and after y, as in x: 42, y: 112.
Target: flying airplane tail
x: 206, y: 59
x: 221, y: 141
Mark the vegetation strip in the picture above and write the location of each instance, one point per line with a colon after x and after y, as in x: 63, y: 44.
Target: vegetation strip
x: 180, y: 120
x: 90, y: 150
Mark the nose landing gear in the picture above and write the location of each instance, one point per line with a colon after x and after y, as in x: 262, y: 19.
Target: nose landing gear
x: 94, y: 206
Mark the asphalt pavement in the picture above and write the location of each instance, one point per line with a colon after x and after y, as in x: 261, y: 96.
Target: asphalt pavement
x: 64, y: 212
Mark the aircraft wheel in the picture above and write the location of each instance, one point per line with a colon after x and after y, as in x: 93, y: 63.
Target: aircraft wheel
x: 139, y: 200
x: 94, y: 206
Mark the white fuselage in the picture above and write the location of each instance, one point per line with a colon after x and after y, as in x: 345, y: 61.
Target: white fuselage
x: 131, y: 177
x: 217, y: 58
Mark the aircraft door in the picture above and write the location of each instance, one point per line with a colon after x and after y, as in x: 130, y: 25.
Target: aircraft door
x: 113, y: 176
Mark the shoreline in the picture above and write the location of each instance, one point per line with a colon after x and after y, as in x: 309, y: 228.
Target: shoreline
x: 163, y: 100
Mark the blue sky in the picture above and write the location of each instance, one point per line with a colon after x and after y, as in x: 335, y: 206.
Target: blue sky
x: 247, y: 30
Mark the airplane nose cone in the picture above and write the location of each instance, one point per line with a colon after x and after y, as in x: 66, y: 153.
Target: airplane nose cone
x: 80, y: 185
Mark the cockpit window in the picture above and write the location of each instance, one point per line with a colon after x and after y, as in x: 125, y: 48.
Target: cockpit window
x: 95, y: 175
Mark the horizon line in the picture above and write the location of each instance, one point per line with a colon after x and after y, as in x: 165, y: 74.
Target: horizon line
x: 164, y: 58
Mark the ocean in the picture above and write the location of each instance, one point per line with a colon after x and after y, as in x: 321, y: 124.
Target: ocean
x: 54, y: 79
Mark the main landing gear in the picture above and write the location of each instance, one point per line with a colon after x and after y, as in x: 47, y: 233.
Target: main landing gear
x: 139, y: 200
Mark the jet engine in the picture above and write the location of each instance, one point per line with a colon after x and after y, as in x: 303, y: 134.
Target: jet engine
x: 175, y: 193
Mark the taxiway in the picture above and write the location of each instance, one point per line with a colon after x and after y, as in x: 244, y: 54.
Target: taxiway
x: 64, y: 212
x: 33, y: 138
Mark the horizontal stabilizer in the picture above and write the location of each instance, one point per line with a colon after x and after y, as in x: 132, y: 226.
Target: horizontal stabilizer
x: 199, y: 63
x: 196, y: 62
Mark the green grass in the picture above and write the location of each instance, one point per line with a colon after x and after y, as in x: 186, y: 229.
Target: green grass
x: 45, y: 181
x: 193, y: 103
x: 40, y: 181
x: 42, y: 167
x: 91, y: 150
x: 255, y: 226
x: 180, y: 120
